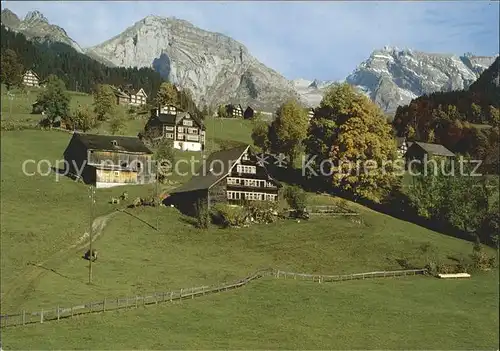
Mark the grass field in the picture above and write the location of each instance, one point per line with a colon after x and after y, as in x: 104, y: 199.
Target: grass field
x: 20, y: 109
x: 42, y: 218
x: 404, y: 313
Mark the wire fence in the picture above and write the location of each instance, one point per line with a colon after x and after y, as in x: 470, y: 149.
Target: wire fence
x: 126, y: 303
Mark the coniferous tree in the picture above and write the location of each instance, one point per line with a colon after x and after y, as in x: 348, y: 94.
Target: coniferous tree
x: 11, y: 70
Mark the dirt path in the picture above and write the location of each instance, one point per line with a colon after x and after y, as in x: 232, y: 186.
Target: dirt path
x: 20, y: 287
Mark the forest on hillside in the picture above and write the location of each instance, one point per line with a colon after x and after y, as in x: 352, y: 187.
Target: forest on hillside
x: 466, y: 121
x: 77, y: 71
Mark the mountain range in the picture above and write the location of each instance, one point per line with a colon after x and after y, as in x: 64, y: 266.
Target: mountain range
x: 218, y: 69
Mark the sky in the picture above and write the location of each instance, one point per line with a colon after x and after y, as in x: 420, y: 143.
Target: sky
x: 310, y: 39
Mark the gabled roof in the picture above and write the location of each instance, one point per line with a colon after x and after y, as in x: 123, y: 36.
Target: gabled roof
x: 105, y: 143
x: 174, y: 119
x: 435, y: 149
x: 221, y: 163
x: 136, y: 91
x: 32, y: 72
x: 119, y: 92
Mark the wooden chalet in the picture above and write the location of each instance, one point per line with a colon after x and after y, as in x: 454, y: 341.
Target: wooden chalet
x: 31, y: 79
x: 234, y: 111
x: 249, y: 113
x: 107, y: 160
x: 421, y: 151
x: 122, y: 98
x: 187, y: 131
x: 229, y: 176
x: 137, y: 97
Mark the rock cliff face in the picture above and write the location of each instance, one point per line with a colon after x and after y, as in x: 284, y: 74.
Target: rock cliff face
x: 393, y: 77
x: 214, y: 67
x: 218, y: 69
x: 36, y: 27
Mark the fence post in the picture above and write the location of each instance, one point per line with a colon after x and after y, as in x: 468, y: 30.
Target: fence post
x: 180, y: 297
x: 171, y: 296
x: 57, y: 312
x: 104, y: 305
x: 135, y: 301
x: 156, y: 298
x: 71, y: 311
x: 24, y: 317
x: 41, y: 316
x: 192, y: 293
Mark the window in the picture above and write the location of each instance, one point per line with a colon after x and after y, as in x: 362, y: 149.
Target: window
x: 246, y: 169
x: 116, y: 173
x: 193, y: 137
x: 180, y: 136
x: 187, y: 122
x: 169, y: 135
x: 180, y: 129
x: 169, y: 128
x: 193, y: 130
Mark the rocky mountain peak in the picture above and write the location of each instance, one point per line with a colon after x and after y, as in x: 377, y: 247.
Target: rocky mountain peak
x: 36, y: 26
x: 214, y: 67
x: 35, y: 16
x: 10, y: 19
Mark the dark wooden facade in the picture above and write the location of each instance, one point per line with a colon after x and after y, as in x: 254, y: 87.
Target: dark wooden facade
x: 106, y: 161
x: 425, y: 151
x: 185, y: 130
x: 244, y: 181
x: 249, y: 113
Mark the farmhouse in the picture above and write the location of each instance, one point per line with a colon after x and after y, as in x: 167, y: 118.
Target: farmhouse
x: 108, y: 160
x: 185, y: 130
x: 234, y: 111
x: 227, y: 176
x: 30, y: 79
x: 122, y: 98
x: 421, y: 151
x: 136, y: 97
x: 249, y: 113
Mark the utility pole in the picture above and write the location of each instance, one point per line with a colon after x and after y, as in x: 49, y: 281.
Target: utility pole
x: 157, y: 200
x: 213, y: 135
x: 92, y: 202
x: 11, y: 97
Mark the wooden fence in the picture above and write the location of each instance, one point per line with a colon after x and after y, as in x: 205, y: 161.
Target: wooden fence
x: 331, y: 210
x: 334, y: 278
x: 58, y: 313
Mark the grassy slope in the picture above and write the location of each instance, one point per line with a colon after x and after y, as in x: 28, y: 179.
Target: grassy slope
x: 41, y: 216
x: 412, y: 313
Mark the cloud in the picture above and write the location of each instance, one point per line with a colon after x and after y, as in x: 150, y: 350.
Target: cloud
x: 324, y: 40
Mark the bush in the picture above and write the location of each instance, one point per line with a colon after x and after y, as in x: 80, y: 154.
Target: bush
x: 296, y: 197
x: 202, y: 215
x: 229, y: 215
x: 263, y: 212
x: 480, y: 260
